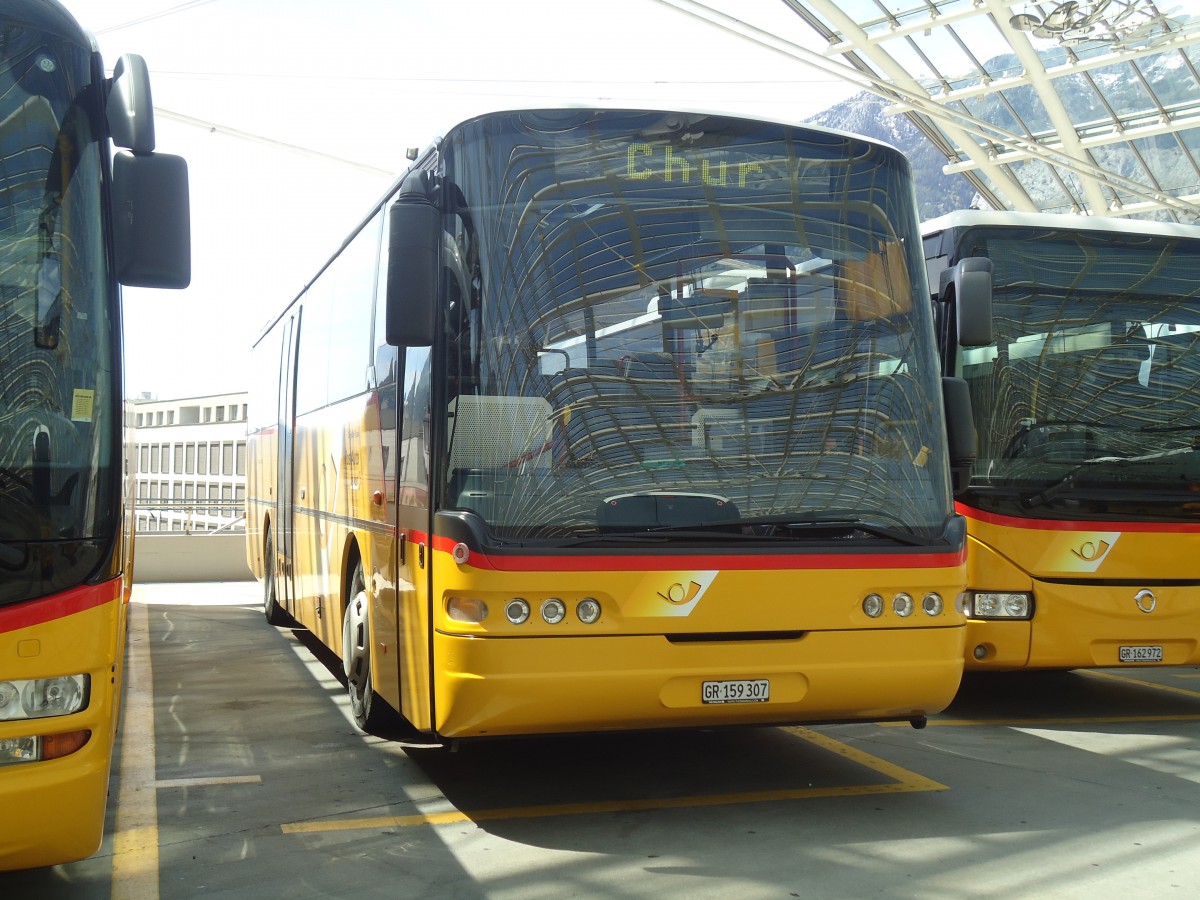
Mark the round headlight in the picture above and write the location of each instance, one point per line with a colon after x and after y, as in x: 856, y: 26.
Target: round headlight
x: 516, y: 611
x: 588, y: 611
x: 932, y: 604
x: 553, y: 611
x: 1017, y: 605
x: 873, y: 605
x: 902, y: 605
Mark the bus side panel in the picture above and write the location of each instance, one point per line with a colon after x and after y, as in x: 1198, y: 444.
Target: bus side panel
x: 325, y: 440
x: 53, y: 811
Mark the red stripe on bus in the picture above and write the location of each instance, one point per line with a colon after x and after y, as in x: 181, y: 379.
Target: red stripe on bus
x: 1074, y: 525
x: 725, y: 561
x: 58, y: 606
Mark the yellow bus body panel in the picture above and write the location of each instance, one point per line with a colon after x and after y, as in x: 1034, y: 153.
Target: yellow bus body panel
x: 53, y: 811
x: 666, y: 631
x: 1085, y: 578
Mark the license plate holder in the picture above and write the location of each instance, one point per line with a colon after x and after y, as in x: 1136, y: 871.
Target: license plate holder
x: 747, y: 690
x: 1141, y: 654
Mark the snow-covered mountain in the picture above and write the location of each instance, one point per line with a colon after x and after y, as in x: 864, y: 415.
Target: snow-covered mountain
x: 864, y: 113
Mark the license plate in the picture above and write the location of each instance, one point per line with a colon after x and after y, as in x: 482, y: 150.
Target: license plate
x: 753, y: 691
x: 1141, y: 654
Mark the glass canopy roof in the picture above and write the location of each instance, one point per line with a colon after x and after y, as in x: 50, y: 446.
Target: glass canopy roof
x: 1084, y: 106
x: 1088, y: 107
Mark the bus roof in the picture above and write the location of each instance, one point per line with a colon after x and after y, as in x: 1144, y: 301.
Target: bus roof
x: 48, y: 16
x: 967, y: 218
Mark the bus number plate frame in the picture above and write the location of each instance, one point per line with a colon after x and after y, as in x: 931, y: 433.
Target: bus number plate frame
x: 1141, y: 654
x: 756, y: 690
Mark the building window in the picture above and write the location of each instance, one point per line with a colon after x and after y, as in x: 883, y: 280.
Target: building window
x: 139, y: 420
x: 202, y: 459
x: 227, y: 496
x: 227, y: 459
x: 220, y: 414
x: 208, y: 414
x: 241, y: 458
x: 170, y: 417
x: 189, y: 460
x: 177, y: 468
x: 143, y: 459
x: 214, y: 459
x: 154, y: 454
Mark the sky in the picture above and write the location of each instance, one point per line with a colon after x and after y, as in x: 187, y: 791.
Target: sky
x: 294, y: 117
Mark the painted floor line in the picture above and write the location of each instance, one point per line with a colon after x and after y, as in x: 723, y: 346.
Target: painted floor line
x: 1125, y: 679
x: 905, y: 782
x: 135, y: 841
x: 205, y: 782
x: 1068, y: 720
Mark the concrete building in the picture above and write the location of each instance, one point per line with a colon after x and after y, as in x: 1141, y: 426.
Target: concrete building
x: 190, y: 462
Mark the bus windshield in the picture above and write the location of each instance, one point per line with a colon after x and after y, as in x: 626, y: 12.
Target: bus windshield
x: 661, y: 321
x: 58, y: 387
x: 1089, y: 401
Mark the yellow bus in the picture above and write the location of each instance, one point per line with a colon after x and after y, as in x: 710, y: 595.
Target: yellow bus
x: 614, y: 419
x: 1083, y: 508
x: 65, y: 536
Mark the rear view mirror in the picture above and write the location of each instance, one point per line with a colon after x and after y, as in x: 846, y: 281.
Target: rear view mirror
x: 152, y: 220
x: 130, y: 109
x: 961, y: 437
x: 414, y: 242
x: 971, y: 281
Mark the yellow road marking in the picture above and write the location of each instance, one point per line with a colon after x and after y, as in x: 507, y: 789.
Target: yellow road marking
x: 1124, y: 679
x: 905, y: 782
x: 135, y: 842
x: 1081, y: 720
x: 1076, y: 720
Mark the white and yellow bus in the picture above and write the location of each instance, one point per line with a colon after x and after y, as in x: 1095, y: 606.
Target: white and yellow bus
x: 1083, y: 508
x: 65, y: 535
x: 615, y: 419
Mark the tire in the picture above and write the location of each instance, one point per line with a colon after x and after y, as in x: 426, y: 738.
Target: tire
x: 274, y: 613
x: 371, y: 712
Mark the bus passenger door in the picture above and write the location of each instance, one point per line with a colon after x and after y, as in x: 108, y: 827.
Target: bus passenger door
x: 285, y: 475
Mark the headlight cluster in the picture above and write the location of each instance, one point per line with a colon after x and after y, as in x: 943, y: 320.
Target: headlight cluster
x: 1000, y: 605
x: 903, y: 605
x: 37, y: 748
x: 42, y: 698
x: 518, y: 610
x: 39, y: 698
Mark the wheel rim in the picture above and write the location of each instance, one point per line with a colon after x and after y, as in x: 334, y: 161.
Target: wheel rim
x: 356, y: 649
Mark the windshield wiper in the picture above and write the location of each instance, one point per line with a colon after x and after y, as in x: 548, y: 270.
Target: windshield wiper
x: 1067, y: 480
x: 786, y: 528
x: 851, y: 525
x: 772, y: 529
